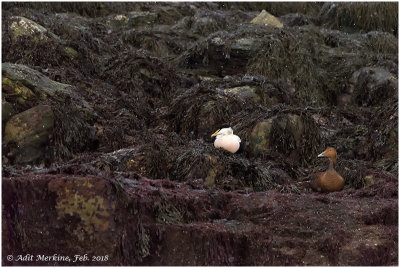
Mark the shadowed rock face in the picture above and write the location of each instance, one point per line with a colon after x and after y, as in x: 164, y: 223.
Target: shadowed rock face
x: 137, y: 221
x: 108, y: 111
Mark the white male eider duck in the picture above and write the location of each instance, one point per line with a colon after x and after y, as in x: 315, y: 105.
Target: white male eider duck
x: 224, y: 138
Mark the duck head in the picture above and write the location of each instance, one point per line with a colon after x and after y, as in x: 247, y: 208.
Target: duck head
x: 223, y: 131
x: 329, y: 152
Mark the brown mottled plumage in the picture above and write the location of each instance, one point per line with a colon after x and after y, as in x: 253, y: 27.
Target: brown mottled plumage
x: 330, y: 180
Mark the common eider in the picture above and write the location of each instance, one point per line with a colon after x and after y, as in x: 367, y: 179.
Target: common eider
x: 330, y: 180
x: 224, y: 138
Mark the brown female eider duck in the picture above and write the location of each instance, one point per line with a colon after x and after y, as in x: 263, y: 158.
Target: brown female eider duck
x: 330, y: 180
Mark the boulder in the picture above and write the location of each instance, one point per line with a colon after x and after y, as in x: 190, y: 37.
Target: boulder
x: 31, y: 87
x: 373, y: 86
x: 265, y: 18
x: 259, y: 140
x: 295, y: 137
x: 23, y: 75
x: 243, y: 93
x: 21, y: 26
x: 28, y: 133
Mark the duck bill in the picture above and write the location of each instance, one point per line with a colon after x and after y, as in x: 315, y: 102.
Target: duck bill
x: 215, y: 133
x: 321, y: 154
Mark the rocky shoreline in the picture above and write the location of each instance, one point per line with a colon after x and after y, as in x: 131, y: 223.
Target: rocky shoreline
x: 107, y: 112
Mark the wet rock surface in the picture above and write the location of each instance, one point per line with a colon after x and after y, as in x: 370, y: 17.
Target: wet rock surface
x: 108, y: 110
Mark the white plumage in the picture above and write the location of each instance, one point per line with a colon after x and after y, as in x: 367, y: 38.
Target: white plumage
x: 224, y: 138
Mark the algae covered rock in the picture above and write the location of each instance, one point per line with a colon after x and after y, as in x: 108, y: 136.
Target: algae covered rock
x: 132, y: 19
x: 25, y: 88
x: 21, y: 26
x: 29, y: 87
x: 373, y: 86
x: 265, y: 18
x: 29, y: 132
x: 27, y: 77
x: 244, y: 93
x: 294, y: 136
x: 16, y: 91
x: 259, y: 137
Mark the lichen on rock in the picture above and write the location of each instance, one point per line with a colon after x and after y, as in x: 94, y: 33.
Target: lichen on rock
x: 85, y: 199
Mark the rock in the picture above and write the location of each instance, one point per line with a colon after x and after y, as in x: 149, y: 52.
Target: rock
x: 154, y: 190
x: 21, y: 26
x: 373, y: 86
x: 224, y: 53
x: 86, y: 202
x: 295, y: 137
x: 30, y: 131
x: 170, y: 14
x: 18, y: 92
x: 28, y: 77
x: 205, y: 23
x: 243, y: 93
x: 71, y: 53
x: 132, y: 19
x: 259, y: 138
x: 295, y: 19
x: 246, y: 45
x: 31, y: 86
x: 295, y: 125
x: 7, y: 111
x: 118, y: 21
x: 343, y: 100
x: 141, y: 17
x: 266, y: 18
x: 369, y: 180
x: 143, y: 222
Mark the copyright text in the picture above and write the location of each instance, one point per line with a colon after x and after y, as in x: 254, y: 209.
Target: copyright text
x: 57, y: 258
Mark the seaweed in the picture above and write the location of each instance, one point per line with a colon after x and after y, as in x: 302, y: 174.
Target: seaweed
x: 361, y: 16
x: 331, y: 244
x: 379, y: 255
